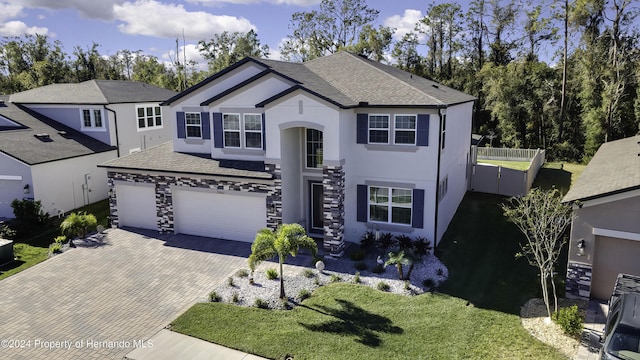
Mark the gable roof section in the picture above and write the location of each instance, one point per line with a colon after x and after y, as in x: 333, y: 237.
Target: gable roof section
x: 22, y: 144
x: 614, y: 169
x: 162, y: 158
x: 346, y: 80
x: 95, y: 92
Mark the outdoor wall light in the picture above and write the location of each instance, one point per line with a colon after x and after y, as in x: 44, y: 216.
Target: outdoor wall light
x: 26, y: 189
x: 581, y: 246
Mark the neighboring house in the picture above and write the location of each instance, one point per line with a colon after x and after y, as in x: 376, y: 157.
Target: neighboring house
x: 605, y: 232
x: 44, y: 160
x: 340, y: 144
x: 109, y: 118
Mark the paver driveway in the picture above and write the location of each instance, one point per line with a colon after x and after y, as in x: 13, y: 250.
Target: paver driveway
x: 102, y: 301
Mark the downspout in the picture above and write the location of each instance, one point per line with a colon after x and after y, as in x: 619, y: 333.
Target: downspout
x: 435, y: 221
x: 115, y: 123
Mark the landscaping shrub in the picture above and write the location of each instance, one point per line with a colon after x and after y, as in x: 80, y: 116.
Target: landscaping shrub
x: 368, y: 241
x: 55, y: 247
x: 316, y: 281
x: 271, y: 274
x: 29, y: 217
x: 235, y: 298
x: 421, y: 246
x: 357, y: 255
x: 335, y: 278
x: 570, y: 320
x: 383, y: 286
x: 7, y: 233
x: 308, y: 273
x: 261, y: 304
x: 356, y: 278
x: 428, y: 283
x: 378, y: 269
x: 214, y: 297
x: 360, y: 265
x: 78, y: 224
x: 304, y: 294
x: 407, y: 285
x: 230, y: 281
x: 404, y: 242
x: 242, y: 273
x: 385, y: 242
x: 60, y: 239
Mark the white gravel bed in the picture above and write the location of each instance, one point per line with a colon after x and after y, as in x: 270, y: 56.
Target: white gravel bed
x: 239, y: 291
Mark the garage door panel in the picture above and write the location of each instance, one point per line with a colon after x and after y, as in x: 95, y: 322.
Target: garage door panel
x: 136, y: 206
x: 233, y: 216
x: 613, y: 256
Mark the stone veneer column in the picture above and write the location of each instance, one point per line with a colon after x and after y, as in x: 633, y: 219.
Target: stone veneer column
x: 578, y: 282
x: 274, y: 197
x: 113, y: 203
x: 333, y: 209
x: 164, y: 204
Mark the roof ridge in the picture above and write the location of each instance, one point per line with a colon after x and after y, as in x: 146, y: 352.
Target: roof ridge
x: 95, y: 83
x: 367, y: 62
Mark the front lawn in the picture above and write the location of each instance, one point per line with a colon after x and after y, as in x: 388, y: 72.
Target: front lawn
x: 345, y: 321
x: 517, y: 165
x: 26, y: 256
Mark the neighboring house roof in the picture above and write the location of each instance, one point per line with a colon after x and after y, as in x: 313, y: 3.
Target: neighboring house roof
x: 96, y: 92
x: 615, y: 168
x: 348, y: 80
x: 20, y: 141
x: 162, y: 158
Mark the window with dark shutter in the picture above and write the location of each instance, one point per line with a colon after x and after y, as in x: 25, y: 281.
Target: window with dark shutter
x: 180, y: 126
x: 423, y: 130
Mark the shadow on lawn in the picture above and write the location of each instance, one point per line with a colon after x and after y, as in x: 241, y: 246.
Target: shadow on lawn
x: 553, y: 177
x: 353, y: 320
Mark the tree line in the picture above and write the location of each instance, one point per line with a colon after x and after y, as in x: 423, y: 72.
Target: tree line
x: 584, y: 93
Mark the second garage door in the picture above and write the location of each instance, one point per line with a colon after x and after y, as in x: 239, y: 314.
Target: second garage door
x: 137, y: 206
x: 613, y: 256
x: 224, y: 216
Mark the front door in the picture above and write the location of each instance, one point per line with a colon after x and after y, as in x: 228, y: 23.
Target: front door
x: 316, y: 212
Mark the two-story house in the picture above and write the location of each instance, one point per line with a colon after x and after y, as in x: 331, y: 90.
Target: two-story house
x: 340, y: 144
x: 54, y: 136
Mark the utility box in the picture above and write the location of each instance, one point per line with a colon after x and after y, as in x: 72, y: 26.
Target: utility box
x: 6, y: 251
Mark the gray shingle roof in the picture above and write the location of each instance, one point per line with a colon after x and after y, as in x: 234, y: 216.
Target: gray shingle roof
x: 94, y: 92
x: 64, y: 142
x: 614, y: 168
x: 162, y: 158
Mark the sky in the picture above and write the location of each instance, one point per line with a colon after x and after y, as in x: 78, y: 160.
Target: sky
x: 153, y: 25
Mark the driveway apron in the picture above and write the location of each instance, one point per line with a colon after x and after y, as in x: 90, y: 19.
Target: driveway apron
x: 106, y: 298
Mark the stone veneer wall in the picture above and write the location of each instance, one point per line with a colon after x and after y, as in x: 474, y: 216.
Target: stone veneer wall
x: 578, y: 282
x: 164, y: 200
x: 333, y: 182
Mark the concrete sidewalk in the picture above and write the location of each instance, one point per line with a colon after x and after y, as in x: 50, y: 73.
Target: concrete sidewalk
x: 169, y: 345
x: 594, y: 322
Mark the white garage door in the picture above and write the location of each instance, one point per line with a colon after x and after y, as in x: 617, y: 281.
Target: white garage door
x: 223, y: 216
x: 136, y: 206
x: 613, y: 256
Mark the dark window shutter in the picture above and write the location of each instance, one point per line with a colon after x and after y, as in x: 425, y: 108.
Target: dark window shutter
x: 264, y: 139
x: 362, y: 203
x: 206, y: 126
x: 182, y: 131
x: 217, y: 130
x: 363, y: 128
x: 417, y: 213
x: 422, y: 138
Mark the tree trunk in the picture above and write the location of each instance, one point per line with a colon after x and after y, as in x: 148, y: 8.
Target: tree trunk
x: 545, y: 291
x: 400, y: 272
x: 555, y: 294
x: 282, y: 295
x: 409, y: 272
x: 564, y: 72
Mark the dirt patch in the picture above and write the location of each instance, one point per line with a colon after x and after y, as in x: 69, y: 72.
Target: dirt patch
x: 534, y: 318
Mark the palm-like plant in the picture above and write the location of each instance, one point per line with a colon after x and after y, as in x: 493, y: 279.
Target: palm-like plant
x: 287, y: 239
x: 400, y: 259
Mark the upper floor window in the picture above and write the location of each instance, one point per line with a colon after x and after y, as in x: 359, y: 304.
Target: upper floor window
x: 242, y: 131
x: 314, y: 148
x: 444, y: 129
x: 193, y: 123
x: 378, y: 129
x: 92, y: 119
x: 390, y: 205
x: 149, y: 117
x: 405, y: 129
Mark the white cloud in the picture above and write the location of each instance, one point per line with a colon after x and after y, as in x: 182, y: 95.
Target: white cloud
x: 18, y: 28
x: 152, y: 18
x: 9, y: 11
x: 246, y: 2
x: 97, y: 9
x: 190, y: 51
x: 405, y: 23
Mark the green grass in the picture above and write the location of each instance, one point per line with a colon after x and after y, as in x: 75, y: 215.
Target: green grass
x: 346, y: 321
x: 517, y: 165
x: 560, y: 175
x: 27, y: 256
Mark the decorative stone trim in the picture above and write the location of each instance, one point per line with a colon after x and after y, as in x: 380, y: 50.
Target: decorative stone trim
x: 164, y: 196
x: 578, y: 282
x: 333, y: 182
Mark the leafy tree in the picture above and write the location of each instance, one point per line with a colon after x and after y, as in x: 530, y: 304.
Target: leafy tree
x: 287, y: 239
x: 400, y: 259
x: 543, y: 219
x: 29, y: 217
x: 228, y: 48
x: 335, y: 26
x: 373, y: 43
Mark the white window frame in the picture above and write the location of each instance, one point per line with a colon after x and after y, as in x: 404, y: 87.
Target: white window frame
x: 320, y: 164
x: 387, y: 129
x: 247, y: 131
x: 155, y: 117
x: 226, y: 130
x: 92, y: 119
x: 187, y: 125
x: 414, y: 130
x: 443, y: 187
x: 390, y: 205
x: 444, y: 131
